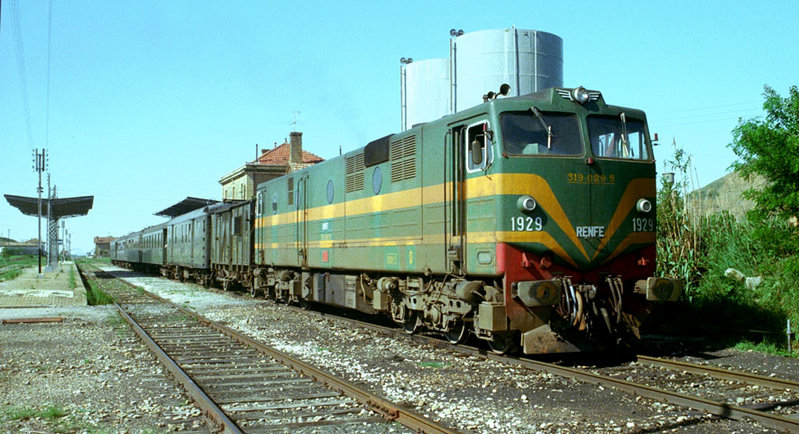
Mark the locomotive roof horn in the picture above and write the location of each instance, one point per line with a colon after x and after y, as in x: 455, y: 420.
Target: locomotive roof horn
x: 504, y: 89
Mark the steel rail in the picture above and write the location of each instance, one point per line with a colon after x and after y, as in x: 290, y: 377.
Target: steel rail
x: 203, y: 401
x: 713, y: 407
x: 389, y: 410
x: 726, y: 374
x: 697, y: 403
x: 197, y: 394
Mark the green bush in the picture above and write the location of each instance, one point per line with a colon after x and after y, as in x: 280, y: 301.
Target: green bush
x: 700, y: 248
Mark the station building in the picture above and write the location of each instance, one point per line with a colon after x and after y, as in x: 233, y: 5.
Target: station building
x: 240, y: 184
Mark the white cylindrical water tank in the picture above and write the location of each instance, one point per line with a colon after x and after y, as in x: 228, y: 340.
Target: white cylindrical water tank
x: 479, y: 62
x: 527, y: 60
x: 427, y: 90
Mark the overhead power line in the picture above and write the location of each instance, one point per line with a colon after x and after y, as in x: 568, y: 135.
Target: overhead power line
x: 23, y: 80
x: 49, y: 39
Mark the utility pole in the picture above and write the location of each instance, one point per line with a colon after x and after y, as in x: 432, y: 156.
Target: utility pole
x: 49, y: 201
x: 39, y: 166
x: 63, y: 254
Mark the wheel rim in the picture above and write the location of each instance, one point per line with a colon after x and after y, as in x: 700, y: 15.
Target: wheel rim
x: 500, y: 344
x: 411, y: 322
x: 456, y: 333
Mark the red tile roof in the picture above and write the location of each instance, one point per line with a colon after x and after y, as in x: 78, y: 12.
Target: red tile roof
x: 280, y: 156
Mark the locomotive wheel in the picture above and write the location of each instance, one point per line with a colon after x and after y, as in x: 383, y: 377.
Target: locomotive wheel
x: 253, y: 291
x: 282, y: 297
x: 269, y: 294
x: 501, y: 343
x: 411, y: 322
x: 456, y: 333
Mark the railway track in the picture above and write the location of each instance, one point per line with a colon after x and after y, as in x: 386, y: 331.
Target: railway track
x: 709, y: 389
x: 244, y: 386
x: 670, y: 383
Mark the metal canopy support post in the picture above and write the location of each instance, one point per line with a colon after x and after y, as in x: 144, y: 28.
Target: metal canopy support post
x: 52, y: 229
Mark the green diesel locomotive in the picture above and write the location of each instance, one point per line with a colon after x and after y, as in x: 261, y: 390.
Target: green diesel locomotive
x: 526, y: 221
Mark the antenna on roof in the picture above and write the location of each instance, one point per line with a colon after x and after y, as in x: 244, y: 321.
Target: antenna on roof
x: 294, y: 124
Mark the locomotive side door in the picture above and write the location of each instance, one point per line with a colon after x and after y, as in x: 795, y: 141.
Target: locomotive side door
x: 472, y: 156
x: 302, y: 219
x: 454, y: 199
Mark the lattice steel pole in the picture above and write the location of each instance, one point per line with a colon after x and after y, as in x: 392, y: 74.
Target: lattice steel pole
x: 39, y: 166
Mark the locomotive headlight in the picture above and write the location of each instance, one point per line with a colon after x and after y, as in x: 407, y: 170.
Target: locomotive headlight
x: 526, y: 203
x: 580, y: 95
x: 643, y: 205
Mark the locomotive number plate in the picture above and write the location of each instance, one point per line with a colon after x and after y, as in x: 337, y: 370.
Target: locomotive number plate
x: 526, y: 224
x: 643, y: 225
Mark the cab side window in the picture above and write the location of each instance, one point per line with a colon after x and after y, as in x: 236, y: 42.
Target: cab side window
x: 478, y: 150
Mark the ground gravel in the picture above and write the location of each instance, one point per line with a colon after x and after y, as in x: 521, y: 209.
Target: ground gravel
x: 465, y: 392
x: 88, y: 373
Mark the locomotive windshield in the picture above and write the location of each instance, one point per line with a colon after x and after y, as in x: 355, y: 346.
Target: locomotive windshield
x: 617, y: 137
x: 535, y: 133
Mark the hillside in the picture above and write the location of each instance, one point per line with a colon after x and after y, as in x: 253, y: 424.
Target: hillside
x: 725, y: 194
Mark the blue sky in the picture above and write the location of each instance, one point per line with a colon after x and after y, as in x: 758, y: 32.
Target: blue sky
x: 153, y: 101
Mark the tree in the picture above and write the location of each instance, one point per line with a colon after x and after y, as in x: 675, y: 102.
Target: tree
x: 770, y: 148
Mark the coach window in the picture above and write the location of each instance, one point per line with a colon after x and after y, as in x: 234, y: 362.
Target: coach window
x: 238, y: 223
x: 479, y: 153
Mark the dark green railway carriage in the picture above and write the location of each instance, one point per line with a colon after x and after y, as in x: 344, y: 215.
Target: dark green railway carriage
x: 231, y: 243
x: 188, y: 246
x: 153, y: 246
x: 126, y: 249
x: 142, y: 250
x: 529, y: 221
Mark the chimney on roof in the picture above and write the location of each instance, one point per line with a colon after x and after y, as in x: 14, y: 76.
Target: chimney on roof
x: 295, y: 155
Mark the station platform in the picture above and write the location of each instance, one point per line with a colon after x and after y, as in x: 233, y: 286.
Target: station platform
x: 54, y: 288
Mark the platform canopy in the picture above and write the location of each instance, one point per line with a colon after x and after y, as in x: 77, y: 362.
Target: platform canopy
x: 61, y: 207
x: 188, y: 204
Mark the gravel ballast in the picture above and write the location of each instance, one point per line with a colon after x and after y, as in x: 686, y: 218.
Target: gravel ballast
x: 90, y: 373
x: 466, y: 392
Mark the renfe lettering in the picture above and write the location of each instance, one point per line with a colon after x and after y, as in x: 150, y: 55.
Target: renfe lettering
x: 590, y: 231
